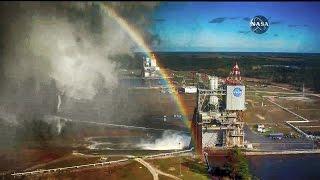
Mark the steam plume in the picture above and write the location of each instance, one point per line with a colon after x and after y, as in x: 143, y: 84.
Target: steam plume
x: 169, y: 141
x: 70, y: 43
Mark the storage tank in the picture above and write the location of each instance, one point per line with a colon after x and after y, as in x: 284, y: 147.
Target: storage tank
x: 146, y: 74
x: 213, y: 100
x: 213, y: 82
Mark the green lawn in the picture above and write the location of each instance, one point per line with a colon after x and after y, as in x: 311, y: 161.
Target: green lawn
x: 190, y: 168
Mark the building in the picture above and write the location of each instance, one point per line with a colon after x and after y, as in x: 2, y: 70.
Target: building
x: 151, y: 74
x: 218, y: 118
x: 150, y: 68
x: 261, y: 128
x: 188, y: 89
x: 276, y: 136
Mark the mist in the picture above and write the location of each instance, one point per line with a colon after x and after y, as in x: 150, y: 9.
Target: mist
x: 56, y: 58
x: 168, y: 141
x: 54, y: 47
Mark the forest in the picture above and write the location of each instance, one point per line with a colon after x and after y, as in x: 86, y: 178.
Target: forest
x: 292, y: 68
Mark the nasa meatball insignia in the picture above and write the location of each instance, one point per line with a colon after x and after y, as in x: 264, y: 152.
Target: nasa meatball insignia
x: 259, y: 24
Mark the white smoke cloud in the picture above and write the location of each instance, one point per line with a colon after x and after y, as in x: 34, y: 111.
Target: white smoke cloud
x: 51, y: 47
x: 7, y: 118
x: 56, y: 123
x: 54, y: 47
x: 169, y: 141
x: 76, y: 66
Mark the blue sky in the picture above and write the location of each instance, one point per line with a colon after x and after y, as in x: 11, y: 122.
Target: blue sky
x: 224, y: 26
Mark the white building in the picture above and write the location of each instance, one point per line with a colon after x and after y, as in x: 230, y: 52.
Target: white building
x: 150, y: 67
x: 261, y: 128
x: 189, y: 89
x: 235, y: 97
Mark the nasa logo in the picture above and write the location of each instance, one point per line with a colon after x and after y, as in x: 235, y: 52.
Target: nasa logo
x: 259, y: 24
x: 237, y: 92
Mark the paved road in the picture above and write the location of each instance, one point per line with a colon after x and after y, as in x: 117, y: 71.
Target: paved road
x: 120, y: 125
x: 41, y: 171
x: 267, y: 144
x: 150, y: 168
x: 275, y: 92
x: 290, y: 123
x: 254, y: 153
x: 289, y: 111
x: 155, y: 172
x: 279, y: 92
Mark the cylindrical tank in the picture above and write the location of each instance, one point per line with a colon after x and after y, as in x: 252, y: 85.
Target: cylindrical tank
x: 213, y: 86
x: 213, y: 82
x: 146, y: 74
x: 214, y: 100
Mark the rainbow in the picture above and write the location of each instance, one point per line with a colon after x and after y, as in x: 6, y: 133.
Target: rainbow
x: 137, y: 38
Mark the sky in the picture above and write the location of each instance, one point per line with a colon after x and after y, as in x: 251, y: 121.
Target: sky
x: 224, y: 26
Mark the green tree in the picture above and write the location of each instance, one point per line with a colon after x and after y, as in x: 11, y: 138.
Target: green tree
x: 238, y: 166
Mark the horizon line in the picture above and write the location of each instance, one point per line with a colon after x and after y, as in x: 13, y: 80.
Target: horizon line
x: 228, y: 52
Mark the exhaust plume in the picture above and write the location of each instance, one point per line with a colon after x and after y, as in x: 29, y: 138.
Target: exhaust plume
x: 56, y: 57
x: 70, y: 43
x: 169, y: 141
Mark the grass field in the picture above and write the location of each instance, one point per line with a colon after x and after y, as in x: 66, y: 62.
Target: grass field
x: 132, y: 170
x: 261, y: 111
x: 190, y: 168
x: 73, y: 160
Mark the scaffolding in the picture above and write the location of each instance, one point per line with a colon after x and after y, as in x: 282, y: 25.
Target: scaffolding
x: 213, y: 125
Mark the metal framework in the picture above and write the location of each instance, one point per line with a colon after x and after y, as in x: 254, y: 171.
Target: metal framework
x: 216, y: 127
x: 203, y: 94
